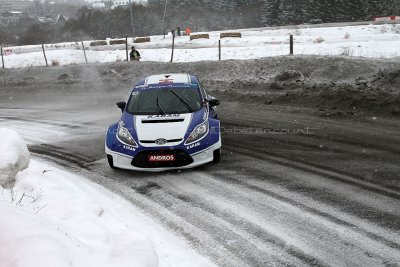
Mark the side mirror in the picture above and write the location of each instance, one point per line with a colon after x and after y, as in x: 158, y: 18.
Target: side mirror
x: 213, y: 102
x: 121, y: 105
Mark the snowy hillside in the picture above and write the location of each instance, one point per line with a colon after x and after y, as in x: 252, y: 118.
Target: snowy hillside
x: 373, y: 41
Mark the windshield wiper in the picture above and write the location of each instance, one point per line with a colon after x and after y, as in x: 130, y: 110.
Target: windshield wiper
x: 182, y: 100
x: 160, y: 109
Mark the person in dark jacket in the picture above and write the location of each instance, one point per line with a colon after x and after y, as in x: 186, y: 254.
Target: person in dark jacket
x: 134, y: 54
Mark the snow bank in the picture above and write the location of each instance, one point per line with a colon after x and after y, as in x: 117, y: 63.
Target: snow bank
x: 53, y: 218
x: 14, y: 156
x: 46, y: 220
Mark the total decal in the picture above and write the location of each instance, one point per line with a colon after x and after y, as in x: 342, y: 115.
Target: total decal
x: 193, y: 145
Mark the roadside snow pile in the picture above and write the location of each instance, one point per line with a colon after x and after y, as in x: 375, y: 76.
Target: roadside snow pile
x: 14, y: 156
x: 47, y: 220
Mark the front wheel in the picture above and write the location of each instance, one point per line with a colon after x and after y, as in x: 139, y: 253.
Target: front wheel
x: 217, y: 155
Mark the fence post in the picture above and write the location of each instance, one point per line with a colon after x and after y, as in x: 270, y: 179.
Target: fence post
x: 84, y: 52
x: 291, y: 44
x: 219, y: 49
x: 126, y: 46
x: 44, y: 54
x: 173, y: 46
x: 2, y: 59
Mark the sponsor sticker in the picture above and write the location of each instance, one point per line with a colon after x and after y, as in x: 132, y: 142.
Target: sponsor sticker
x: 129, y: 148
x: 161, y: 158
x: 193, y: 145
x: 163, y: 116
x: 166, y: 80
x: 141, y: 86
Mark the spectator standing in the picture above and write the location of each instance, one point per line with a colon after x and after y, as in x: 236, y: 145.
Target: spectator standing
x: 134, y: 54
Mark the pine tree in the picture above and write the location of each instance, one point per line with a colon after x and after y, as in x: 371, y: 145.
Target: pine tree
x: 224, y: 5
x: 291, y: 12
x: 286, y: 13
x: 377, y: 8
x: 314, y: 10
x: 270, y: 12
x: 355, y: 10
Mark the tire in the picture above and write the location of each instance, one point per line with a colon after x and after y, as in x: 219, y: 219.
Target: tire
x: 217, y: 155
x: 111, y: 162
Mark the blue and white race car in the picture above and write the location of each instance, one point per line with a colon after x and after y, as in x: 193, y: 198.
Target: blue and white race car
x: 169, y: 122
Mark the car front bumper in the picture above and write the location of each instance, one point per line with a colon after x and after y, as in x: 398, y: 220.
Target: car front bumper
x: 123, y: 161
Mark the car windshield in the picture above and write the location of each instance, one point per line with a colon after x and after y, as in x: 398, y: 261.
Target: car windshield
x: 164, y: 101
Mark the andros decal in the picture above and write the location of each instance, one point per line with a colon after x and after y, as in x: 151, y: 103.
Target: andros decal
x: 161, y: 158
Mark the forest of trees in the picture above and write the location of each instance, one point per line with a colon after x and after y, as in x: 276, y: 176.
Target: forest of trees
x: 199, y: 15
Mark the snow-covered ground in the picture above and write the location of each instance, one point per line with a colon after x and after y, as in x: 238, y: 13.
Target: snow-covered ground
x: 54, y: 218
x: 50, y: 217
x: 374, y: 41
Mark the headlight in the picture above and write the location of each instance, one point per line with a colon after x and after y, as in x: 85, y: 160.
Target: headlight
x: 198, y: 133
x: 124, y: 136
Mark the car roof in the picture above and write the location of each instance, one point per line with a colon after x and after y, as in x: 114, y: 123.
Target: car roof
x: 169, y: 78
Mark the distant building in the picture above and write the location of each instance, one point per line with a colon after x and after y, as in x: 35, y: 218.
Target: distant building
x: 47, y: 19
x: 120, y: 3
x: 7, y: 17
x: 155, y: 2
x: 15, y: 5
x: 60, y: 19
x: 125, y: 3
x: 98, y: 5
x: 113, y: 3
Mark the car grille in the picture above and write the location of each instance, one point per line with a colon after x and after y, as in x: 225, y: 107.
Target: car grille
x: 154, y: 141
x: 181, y: 159
x: 162, y: 121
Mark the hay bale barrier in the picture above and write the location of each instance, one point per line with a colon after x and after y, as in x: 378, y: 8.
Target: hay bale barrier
x: 98, y: 43
x: 142, y: 40
x: 117, y: 41
x: 199, y: 36
x: 230, y: 34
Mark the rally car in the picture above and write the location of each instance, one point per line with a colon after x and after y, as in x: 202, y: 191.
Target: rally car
x: 169, y: 122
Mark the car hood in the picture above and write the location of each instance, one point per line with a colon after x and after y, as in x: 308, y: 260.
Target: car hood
x: 169, y: 127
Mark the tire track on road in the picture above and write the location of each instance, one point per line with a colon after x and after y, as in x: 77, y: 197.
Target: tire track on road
x: 313, y: 168
x: 252, y: 243
x: 244, y: 224
x: 60, y: 156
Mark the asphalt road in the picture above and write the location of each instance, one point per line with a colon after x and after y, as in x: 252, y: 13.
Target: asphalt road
x: 292, y: 189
